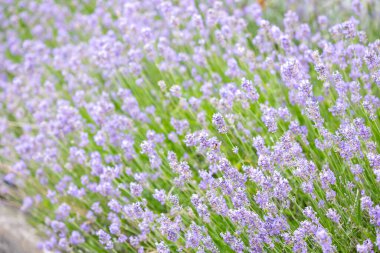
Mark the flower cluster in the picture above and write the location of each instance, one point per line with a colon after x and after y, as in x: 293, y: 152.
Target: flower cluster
x: 191, y: 126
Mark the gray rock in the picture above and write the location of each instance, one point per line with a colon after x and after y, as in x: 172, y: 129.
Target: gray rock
x: 16, y: 236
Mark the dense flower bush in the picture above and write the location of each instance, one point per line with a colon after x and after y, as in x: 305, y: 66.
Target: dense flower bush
x: 191, y: 126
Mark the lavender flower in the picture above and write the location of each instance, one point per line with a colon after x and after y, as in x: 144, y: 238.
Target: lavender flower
x: 76, y: 238
x: 218, y: 121
x: 192, y: 125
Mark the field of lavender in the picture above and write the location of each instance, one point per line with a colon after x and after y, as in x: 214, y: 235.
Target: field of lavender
x: 192, y: 126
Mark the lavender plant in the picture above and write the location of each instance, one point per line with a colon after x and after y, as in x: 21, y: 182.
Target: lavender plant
x: 191, y: 126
